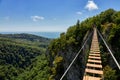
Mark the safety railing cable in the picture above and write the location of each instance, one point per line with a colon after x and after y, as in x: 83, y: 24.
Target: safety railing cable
x: 75, y: 57
x: 109, y: 50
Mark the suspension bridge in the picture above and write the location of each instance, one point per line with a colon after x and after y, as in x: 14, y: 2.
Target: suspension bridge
x: 93, y: 70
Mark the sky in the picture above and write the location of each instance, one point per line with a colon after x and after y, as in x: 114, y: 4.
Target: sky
x: 49, y: 15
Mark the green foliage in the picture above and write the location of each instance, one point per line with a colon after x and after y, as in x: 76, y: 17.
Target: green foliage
x: 57, y: 64
x: 106, y: 16
x: 23, y: 36
x: 18, y: 55
x: 28, y: 39
x: 109, y: 74
x: 116, y: 17
x: 20, y: 60
x: 58, y: 59
x: 115, y: 36
x: 110, y: 28
x: 38, y: 70
x: 108, y: 23
x: 58, y: 47
x: 71, y: 40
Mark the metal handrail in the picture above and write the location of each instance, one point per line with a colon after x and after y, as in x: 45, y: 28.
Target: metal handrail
x: 75, y: 58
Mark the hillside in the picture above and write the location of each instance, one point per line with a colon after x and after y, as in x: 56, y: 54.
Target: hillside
x: 28, y: 39
x: 22, y: 55
x: 25, y: 36
x: 62, y: 50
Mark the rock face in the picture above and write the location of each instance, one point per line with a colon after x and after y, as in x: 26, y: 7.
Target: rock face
x: 76, y: 71
x: 73, y: 73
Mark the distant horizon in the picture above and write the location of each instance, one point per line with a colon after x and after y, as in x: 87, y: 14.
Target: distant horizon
x: 32, y: 31
x: 42, y: 34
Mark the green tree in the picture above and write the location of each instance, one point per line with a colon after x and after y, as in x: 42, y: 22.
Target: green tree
x: 116, y: 17
x: 109, y: 73
x: 106, y: 16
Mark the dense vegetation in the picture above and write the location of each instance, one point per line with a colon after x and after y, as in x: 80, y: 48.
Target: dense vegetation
x: 28, y: 39
x: 67, y: 43
x: 24, y: 36
x: 108, y: 23
x: 22, y: 57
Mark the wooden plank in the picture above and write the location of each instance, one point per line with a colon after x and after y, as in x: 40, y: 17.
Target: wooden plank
x: 94, y: 61
x: 95, y: 49
x: 93, y: 54
x: 94, y: 71
x: 96, y: 52
x: 94, y: 65
x: 93, y: 57
x: 91, y: 78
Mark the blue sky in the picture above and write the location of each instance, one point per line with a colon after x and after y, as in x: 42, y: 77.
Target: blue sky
x: 48, y: 15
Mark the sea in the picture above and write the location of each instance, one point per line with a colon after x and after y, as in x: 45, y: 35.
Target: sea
x: 51, y: 35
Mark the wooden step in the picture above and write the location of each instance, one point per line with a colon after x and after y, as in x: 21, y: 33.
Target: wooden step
x: 93, y: 54
x: 91, y: 78
x: 95, y: 50
x: 94, y: 47
x: 94, y: 61
x: 94, y: 44
x: 94, y: 65
x: 93, y: 57
x: 96, y: 41
x: 94, y: 71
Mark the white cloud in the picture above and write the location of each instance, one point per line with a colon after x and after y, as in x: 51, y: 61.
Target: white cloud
x: 80, y: 13
x: 37, y: 18
x: 91, y: 5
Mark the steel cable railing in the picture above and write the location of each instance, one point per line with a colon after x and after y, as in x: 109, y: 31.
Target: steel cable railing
x: 75, y: 57
x: 109, y: 50
x: 81, y: 50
